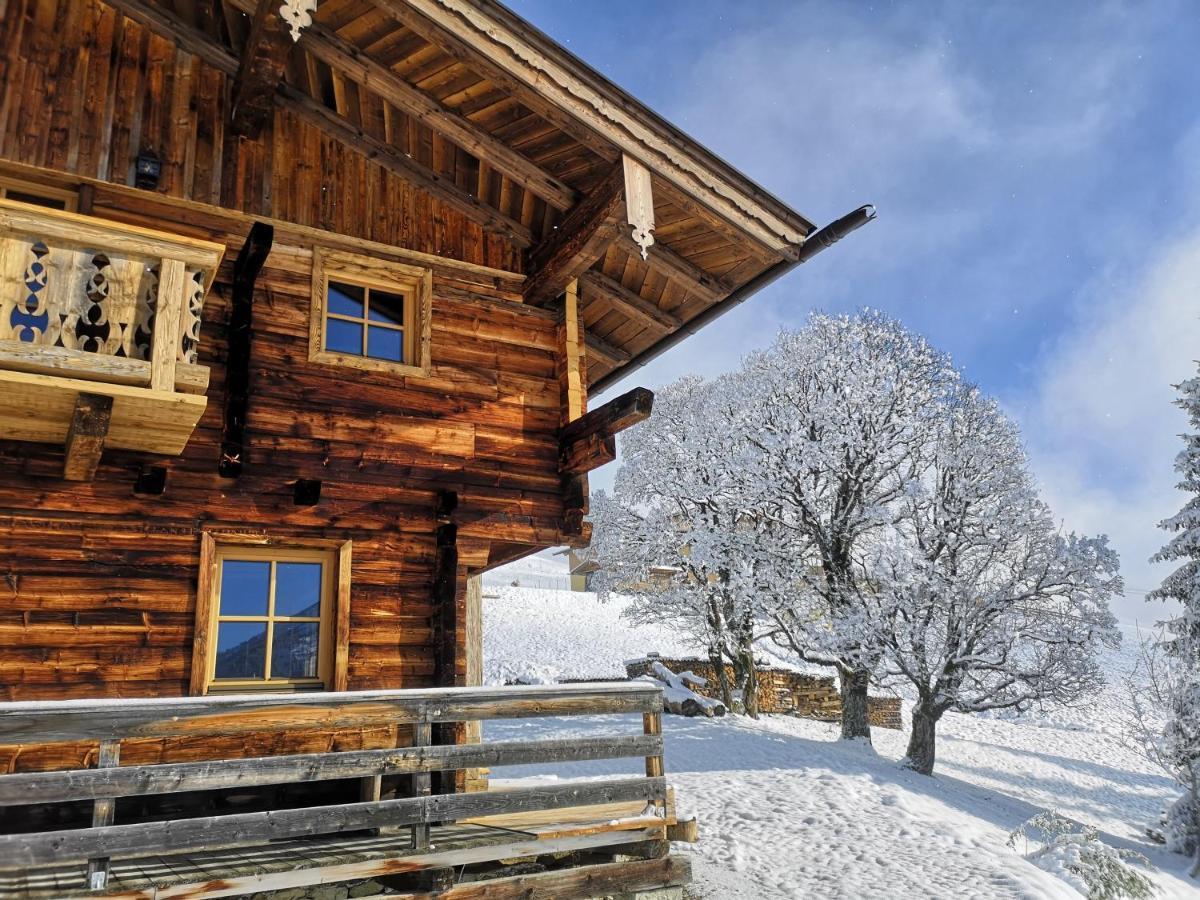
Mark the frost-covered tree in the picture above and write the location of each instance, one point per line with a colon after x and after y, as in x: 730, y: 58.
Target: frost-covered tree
x: 676, y: 508
x: 835, y: 413
x: 979, y: 602
x: 1175, y: 676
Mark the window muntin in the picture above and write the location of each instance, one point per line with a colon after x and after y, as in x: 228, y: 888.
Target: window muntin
x: 272, y: 619
x: 370, y: 313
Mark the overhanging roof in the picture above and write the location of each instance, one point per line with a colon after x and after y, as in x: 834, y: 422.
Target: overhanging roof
x: 535, y: 131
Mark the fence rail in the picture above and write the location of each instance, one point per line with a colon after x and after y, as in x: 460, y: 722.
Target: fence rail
x: 34, y: 722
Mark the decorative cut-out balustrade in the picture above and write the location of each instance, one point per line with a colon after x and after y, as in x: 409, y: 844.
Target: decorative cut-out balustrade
x: 89, y: 306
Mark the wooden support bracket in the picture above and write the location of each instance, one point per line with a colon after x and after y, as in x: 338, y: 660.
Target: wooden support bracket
x: 86, y: 436
x: 589, y: 441
x: 261, y: 70
x: 577, y: 241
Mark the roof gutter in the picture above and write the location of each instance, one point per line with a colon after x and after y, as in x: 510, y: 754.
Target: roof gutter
x: 816, y: 242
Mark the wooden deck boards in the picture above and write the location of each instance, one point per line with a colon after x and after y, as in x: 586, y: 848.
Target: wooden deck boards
x: 579, y: 820
x: 289, y: 863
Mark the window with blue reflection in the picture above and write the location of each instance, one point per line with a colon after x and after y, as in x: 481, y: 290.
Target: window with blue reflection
x: 245, y: 587
x: 298, y: 589
x: 241, y: 650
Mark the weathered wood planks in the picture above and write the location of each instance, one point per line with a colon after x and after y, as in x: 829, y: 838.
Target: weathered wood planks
x: 107, y: 783
x: 80, y: 720
x: 241, y: 829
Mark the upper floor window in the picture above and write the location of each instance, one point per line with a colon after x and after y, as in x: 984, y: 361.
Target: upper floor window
x: 38, y: 195
x: 370, y: 313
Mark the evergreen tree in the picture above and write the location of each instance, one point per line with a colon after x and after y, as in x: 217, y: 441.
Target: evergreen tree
x: 1176, y: 671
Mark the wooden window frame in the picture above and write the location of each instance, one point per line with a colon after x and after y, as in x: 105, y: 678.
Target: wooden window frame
x: 370, y: 272
x: 335, y: 614
x: 69, y: 198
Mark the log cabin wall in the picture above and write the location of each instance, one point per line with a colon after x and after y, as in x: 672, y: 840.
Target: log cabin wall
x: 98, y: 584
x: 86, y: 89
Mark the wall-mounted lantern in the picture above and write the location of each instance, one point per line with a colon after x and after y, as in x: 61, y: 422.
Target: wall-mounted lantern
x: 146, y: 170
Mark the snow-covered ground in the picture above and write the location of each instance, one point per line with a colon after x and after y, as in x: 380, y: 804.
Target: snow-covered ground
x: 787, y: 811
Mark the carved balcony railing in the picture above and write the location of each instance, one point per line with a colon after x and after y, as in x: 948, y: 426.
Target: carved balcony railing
x: 96, y: 309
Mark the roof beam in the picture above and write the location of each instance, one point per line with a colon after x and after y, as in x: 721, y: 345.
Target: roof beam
x: 261, y: 69
x: 577, y: 241
x: 599, y: 285
x: 360, y: 68
x: 434, y: 183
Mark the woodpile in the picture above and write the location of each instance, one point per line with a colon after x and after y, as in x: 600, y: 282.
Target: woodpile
x: 781, y: 691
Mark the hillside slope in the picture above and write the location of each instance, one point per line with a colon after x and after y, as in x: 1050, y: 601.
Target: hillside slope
x: 788, y: 811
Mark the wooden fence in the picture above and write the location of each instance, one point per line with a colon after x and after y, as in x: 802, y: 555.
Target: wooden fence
x: 109, y: 722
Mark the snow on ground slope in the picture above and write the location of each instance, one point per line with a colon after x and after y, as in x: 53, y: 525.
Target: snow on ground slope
x: 787, y: 811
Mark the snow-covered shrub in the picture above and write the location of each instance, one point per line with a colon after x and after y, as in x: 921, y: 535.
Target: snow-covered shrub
x: 1076, y: 854
x: 1177, y: 827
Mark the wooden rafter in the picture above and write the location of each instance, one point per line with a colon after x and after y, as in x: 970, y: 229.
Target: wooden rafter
x: 425, y: 178
x: 684, y: 273
x: 612, y: 356
x: 448, y: 43
x: 360, y: 68
x: 597, y: 284
x: 261, y: 69
x: 577, y: 241
x: 472, y: 30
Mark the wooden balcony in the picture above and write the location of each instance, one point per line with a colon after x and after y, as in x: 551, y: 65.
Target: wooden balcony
x: 564, y: 839
x: 99, y: 330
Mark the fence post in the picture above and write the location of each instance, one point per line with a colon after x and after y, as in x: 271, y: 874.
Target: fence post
x: 652, y: 726
x: 102, y: 814
x: 422, y: 737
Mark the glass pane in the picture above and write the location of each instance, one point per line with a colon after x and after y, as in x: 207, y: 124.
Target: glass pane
x: 241, y: 649
x: 387, y: 307
x: 345, y: 299
x: 383, y: 343
x: 297, y: 589
x: 244, y: 587
x: 294, y: 650
x: 344, y: 337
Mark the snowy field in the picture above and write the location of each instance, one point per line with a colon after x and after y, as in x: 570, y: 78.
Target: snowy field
x: 786, y: 811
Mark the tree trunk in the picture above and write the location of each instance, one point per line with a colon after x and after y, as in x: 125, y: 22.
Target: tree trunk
x: 750, y: 685
x: 855, y: 722
x: 921, y: 742
x: 718, y: 663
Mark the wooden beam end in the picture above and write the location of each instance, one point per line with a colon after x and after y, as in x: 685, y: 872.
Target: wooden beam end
x: 86, y: 436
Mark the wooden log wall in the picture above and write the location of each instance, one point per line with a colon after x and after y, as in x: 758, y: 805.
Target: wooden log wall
x: 86, y: 89
x: 97, y: 583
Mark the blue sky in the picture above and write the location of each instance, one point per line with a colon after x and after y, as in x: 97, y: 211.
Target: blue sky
x: 1036, y: 167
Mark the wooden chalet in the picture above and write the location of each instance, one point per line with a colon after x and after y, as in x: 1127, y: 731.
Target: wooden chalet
x: 300, y: 307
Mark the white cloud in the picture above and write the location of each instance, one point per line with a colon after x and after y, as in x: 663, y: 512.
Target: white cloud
x: 1100, y: 423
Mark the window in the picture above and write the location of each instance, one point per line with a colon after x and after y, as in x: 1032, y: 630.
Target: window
x: 370, y: 314
x: 271, y: 617
x: 39, y: 195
